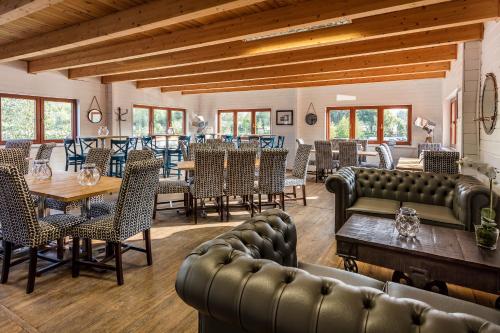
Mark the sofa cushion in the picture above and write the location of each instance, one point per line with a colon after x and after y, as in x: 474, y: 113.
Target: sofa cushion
x: 349, y: 278
x: 432, y: 214
x: 442, y: 302
x: 375, y: 206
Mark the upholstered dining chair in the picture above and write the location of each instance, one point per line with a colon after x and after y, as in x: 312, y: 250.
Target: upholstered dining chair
x: 325, y: 162
x: 133, y: 215
x: 208, y: 179
x: 299, y: 141
x: 44, y: 152
x: 299, y: 172
x: 21, y: 227
x: 271, y: 180
x: 389, y: 154
x: 252, y: 145
x: 441, y: 161
x: 16, y: 157
x: 214, y: 143
x: 434, y: 146
x: 384, y: 160
x: 348, y: 154
x: 101, y: 158
x: 25, y: 146
x: 240, y: 176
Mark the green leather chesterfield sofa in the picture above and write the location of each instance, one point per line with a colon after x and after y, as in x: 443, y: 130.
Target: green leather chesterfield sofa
x: 249, y: 280
x: 453, y: 201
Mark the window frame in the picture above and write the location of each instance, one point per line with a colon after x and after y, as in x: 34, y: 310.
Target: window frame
x: 253, y: 122
x: 380, y: 121
x: 39, y: 116
x: 169, y: 117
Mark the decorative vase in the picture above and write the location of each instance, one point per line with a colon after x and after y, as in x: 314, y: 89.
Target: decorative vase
x: 487, y: 232
x: 41, y: 169
x: 89, y: 175
x: 103, y: 131
x: 407, y: 222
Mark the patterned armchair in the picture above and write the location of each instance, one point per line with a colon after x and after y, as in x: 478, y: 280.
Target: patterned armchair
x: 324, y: 158
x: 45, y: 151
x: 20, y: 225
x: 428, y: 146
x: 299, y: 172
x: 385, y: 162
x: 16, y: 157
x: 134, y: 212
x: 348, y: 154
x: 25, y: 145
x: 441, y: 161
x: 240, y: 177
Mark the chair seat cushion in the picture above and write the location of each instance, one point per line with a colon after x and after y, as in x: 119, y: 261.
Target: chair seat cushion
x: 101, y: 228
x: 434, y: 214
x: 442, y: 302
x: 173, y: 186
x: 375, y: 206
x: 294, y: 181
x: 349, y: 278
x: 98, y: 209
x: 62, y: 205
x: 56, y: 226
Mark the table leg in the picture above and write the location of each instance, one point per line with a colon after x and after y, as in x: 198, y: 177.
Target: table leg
x: 497, y: 303
x: 41, y: 206
x: 85, y: 213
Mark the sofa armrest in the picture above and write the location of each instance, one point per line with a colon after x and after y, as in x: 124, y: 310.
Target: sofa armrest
x: 343, y: 184
x: 469, y: 197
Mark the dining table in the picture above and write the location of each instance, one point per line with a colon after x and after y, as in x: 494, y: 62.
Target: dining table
x: 64, y: 186
x: 103, y: 138
x: 410, y: 164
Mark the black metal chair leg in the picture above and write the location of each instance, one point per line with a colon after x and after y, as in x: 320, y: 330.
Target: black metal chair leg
x: 32, y: 270
x: 147, y: 240
x: 154, y: 209
x: 7, y: 254
x: 304, y: 195
x: 118, y: 263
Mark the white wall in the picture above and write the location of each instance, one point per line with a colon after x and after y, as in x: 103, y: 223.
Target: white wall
x: 423, y: 95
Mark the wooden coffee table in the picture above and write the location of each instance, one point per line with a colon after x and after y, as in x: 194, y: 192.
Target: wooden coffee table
x: 435, y: 257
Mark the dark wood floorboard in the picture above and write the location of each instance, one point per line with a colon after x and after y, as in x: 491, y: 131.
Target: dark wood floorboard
x: 147, y: 302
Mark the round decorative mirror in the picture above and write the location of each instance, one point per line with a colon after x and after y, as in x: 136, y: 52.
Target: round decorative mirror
x: 489, y: 103
x: 94, y: 116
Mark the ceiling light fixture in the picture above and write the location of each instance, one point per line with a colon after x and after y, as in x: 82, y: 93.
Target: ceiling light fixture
x: 341, y: 21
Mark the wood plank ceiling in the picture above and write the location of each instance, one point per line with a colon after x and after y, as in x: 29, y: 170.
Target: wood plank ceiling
x: 208, y: 46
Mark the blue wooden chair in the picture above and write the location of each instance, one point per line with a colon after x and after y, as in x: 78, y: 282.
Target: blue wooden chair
x: 119, y: 157
x: 200, y: 138
x: 266, y: 142
x: 149, y: 142
x: 86, y: 144
x: 280, y: 142
x: 227, y: 138
x: 72, y: 156
x: 175, y: 155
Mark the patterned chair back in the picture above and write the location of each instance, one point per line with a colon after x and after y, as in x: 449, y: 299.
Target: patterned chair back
x: 252, y: 145
x: 214, y: 143
x: 301, y: 161
x: 193, y: 147
x: 17, y: 211
x: 383, y: 156
x: 200, y: 138
x: 140, y: 155
x: 428, y: 146
x: 272, y: 170
x: 45, y: 151
x: 209, y: 173
x: 23, y: 144
x: 348, y: 154
x: 266, y: 142
x: 280, y: 142
x: 441, y: 161
x: 87, y: 143
x: 15, y: 157
x: 136, y: 200
x: 324, y: 155
x: 389, y: 153
x: 240, y: 172
x: 299, y: 141
x: 101, y: 157
x: 336, y: 143
x: 227, y: 146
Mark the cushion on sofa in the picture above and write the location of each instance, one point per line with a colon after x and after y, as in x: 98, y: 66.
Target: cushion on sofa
x: 433, y: 214
x: 375, y: 206
x: 349, y: 278
x: 442, y: 302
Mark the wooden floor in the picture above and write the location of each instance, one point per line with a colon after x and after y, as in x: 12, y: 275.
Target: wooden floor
x: 148, y: 302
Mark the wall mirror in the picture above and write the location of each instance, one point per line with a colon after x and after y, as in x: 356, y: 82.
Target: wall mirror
x: 94, y: 116
x: 489, y: 103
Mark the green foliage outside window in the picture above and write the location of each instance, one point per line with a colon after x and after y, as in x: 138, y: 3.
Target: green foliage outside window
x: 177, y: 121
x: 263, y: 123
x: 57, y: 119
x: 18, y: 118
x: 366, y: 124
x: 396, y: 124
x: 140, y: 124
x: 339, y: 124
x: 226, y: 122
x: 244, y: 123
x: 160, y: 121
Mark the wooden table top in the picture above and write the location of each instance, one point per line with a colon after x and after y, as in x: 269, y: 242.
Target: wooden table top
x: 189, y: 165
x: 440, y: 243
x: 360, y: 152
x: 64, y: 186
x: 410, y: 164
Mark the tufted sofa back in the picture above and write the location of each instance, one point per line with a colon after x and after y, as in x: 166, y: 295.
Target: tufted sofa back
x: 426, y: 188
x: 235, y: 289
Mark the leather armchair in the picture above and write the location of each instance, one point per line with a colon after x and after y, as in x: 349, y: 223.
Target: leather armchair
x: 463, y: 195
x: 247, y: 280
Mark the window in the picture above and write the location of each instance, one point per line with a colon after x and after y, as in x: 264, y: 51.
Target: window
x: 244, y: 122
x: 453, y: 122
x: 376, y: 124
x: 151, y: 120
x: 37, y: 118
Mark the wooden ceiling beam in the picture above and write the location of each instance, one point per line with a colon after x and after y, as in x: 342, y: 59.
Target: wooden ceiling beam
x: 401, y: 42
x: 302, y: 14
x: 355, y: 74
x: 418, y: 56
x: 11, y: 10
x: 402, y: 77
x: 134, y: 20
